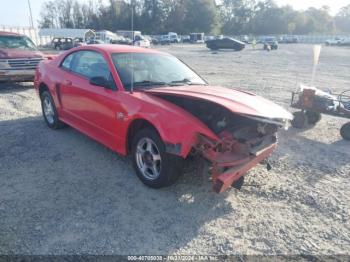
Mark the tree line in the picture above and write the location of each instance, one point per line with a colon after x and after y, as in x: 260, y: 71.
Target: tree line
x: 230, y: 17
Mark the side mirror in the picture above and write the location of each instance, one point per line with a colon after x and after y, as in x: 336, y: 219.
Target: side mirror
x: 100, y: 81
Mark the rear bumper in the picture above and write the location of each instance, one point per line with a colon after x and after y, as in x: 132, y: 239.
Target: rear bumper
x: 17, y: 75
x: 225, y: 180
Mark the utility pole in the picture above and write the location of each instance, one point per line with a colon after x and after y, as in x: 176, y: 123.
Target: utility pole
x: 30, y: 15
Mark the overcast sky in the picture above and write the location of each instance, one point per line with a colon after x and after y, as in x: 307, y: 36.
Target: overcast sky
x: 15, y: 12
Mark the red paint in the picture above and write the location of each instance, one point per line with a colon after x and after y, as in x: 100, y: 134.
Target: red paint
x: 6, y: 53
x: 19, y: 63
x: 223, y: 181
x: 236, y: 101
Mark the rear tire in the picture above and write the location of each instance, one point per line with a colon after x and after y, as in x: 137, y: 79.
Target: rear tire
x: 49, y: 111
x: 299, y: 120
x: 153, y: 165
x: 313, y: 117
x: 345, y: 132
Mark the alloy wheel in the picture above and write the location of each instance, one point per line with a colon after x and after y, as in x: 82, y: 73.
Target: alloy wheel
x: 148, y: 158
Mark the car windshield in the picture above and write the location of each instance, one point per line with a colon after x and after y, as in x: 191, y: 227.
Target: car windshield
x: 149, y: 70
x: 16, y: 42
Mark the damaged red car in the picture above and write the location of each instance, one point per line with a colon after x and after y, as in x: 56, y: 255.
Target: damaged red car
x: 152, y: 106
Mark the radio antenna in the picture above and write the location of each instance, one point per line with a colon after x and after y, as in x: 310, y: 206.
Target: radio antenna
x: 133, y: 44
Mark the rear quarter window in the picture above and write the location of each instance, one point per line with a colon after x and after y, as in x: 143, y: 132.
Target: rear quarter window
x: 66, y: 64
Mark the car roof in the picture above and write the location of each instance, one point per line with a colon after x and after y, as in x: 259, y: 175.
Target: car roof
x: 9, y: 33
x: 111, y: 48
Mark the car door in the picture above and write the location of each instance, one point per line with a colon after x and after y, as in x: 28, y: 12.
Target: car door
x: 227, y: 43
x: 90, y: 108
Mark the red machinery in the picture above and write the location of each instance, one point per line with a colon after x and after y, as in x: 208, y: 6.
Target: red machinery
x: 313, y: 102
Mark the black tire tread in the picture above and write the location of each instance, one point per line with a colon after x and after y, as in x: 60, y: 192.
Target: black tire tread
x: 58, y: 124
x: 299, y: 120
x: 171, y: 164
x: 313, y: 117
x: 345, y: 131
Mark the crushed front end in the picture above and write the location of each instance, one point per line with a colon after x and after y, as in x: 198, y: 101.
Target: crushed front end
x: 242, y: 140
x: 241, y: 147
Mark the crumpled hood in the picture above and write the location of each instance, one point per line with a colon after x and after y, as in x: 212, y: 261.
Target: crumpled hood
x: 18, y: 53
x: 239, y: 102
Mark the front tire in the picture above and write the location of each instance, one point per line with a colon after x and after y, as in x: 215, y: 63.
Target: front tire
x: 153, y: 165
x: 313, y: 117
x: 49, y: 111
x: 345, y: 131
x: 299, y: 120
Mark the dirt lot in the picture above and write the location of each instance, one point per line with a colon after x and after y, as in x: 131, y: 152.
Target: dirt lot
x: 62, y: 193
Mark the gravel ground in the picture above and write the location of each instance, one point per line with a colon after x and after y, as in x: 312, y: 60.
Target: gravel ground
x: 63, y: 193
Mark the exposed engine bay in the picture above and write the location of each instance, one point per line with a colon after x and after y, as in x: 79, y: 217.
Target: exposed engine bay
x: 244, y: 142
x: 220, y: 120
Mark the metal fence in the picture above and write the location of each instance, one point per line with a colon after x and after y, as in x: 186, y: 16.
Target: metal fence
x: 305, y: 39
x: 318, y: 39
x: 32, y: 33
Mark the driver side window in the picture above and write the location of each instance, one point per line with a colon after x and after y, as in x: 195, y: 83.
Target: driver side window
x: 90, y: 64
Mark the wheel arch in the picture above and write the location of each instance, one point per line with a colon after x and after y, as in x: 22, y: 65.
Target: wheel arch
x: 134, y: 126
x: 174, y: 143
x: 43, y: 87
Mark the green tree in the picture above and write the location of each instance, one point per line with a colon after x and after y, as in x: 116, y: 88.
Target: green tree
x: 268, y: 19
x: 175, y: 14
x: 78, y: 17
x: 233, y: 17
x: 236, y: 16
x: 153, y: 16
x: 342, y: 19
x: 319, y: 20
x: 65, y: 10
x: 291, y: 27
x: 201, y: 16
x: 48, y: 15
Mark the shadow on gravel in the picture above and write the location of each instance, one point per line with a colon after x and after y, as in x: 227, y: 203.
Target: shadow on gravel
x: 8, y: 87
x: 342, y: 143
x: 63, y: 193
x: 321, y: 158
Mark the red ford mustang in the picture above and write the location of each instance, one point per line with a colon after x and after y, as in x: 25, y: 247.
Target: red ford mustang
x: 151, y: 105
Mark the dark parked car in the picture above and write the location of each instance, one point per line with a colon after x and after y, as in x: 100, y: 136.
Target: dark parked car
x: 225, y: 43
x: 290, y: 39
x: 79, y: 42
x: 165, y: 40
x: 155, y: 40
x: 270, y: 43
x: 185, y: 39
x: 121, y: 41
x: 62, y: 43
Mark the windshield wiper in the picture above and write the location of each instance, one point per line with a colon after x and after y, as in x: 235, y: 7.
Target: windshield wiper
x: 147, y: 83
x: 185, y: 81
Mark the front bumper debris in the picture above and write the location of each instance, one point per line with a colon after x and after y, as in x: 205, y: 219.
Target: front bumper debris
x: 222, y: 181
